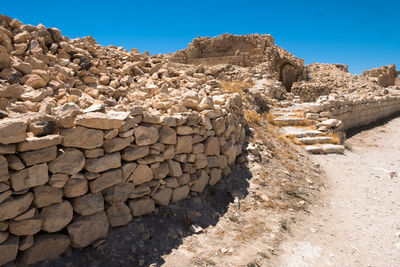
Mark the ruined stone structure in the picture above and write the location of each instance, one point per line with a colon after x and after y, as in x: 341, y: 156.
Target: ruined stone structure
x: 385, y: 76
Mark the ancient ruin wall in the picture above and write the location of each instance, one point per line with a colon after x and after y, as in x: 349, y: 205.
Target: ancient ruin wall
x: 70, y: 187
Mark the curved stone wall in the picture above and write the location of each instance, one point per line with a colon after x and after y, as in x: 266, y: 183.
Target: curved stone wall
x: 69, y: 187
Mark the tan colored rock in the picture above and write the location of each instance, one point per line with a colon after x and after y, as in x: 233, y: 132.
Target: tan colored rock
x: 13, y: 207
x: 14, y: 163
x: 127, y: 170
x: 184, y: 144
x: 142, y: 174
x: 13, y: 90
x: 25, y: 242
x: 215, y: 176
x: 118, y: 193
x: 46, y: 247
x: 161, y: 171
x: 163, y: 196
x: 39, y: 156
x: 35, y: 81
x: 7, y: 149
x: 134, y: 153
x: 145, y: 135
x: 4, y: 195
x: 175, y: 169
x: 12, y: 131
x: 26, y: 215
x: 94, y: 153
x: 212, y: 146
x: 201, y: 182
x: 88, y: 204
x: 25, y: 227
x: 180, y: 193
x: 35, y: 143
x: 75, y: 187
x: 101, y: 121
x: 58, y: 180
x: 218, y: 126
x: 46, y: 195
x: 106, y: 162
x: 9, y: 250
x: 119, y: 214
x: 30, y: 177
x: 69, y: 161
x: 82, y: 137
x: 106, y: 180
x: 141, y: 206
x: 3, y: 169
x: 4, y: 57
x: 4, y: 236
x: 115, y: 144
x: 56, y: 216
x: 167, y: 135
x: 84, y: 230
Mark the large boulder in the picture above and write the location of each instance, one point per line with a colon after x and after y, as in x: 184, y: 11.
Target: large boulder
x: 82, y: 137
x: 12, y: 131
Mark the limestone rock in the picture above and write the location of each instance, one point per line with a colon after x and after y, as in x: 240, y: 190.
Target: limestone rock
x: 12, y: 131
x: 3, y: 169
x: 56, y: 216
x: 106, y: 162
x: 163, y: 196
x: 88, y: 204
x: 82, y: 137
x: 119, y: 214
x: 167, y: 135
x: 9, y: 250
x: 118, y: 193
x: 75, y: 187
x: 4, y: 57
x: 84, y: 230
x: 201, y: 182
x: 134, y: 153
x: 106, y: 180
x: 13, y: 90
x: 39, y: 156
x: 25, y: 242
x: 70, y: 161
x: 101, y: 121
x: 30, y: 177
x: 46, y: 195
x: 180, y: 193
x: 141, y: 206
x: 184, y: 144
x: 142, y: 174
x: 215, y: 176
x: 46, y: 247
x: 35, y: 143
x: 28, y: 226
x: 212, y: 146
x: 14, y: 163
x: 13, y: 207
x: 115, y: 144
x: 145, y: 135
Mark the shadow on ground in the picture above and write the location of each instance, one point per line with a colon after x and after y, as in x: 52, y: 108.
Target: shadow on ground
x: 146, y: 239
x: 353, y: 131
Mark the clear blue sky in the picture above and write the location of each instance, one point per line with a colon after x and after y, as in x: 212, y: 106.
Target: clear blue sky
x: 360, y: 33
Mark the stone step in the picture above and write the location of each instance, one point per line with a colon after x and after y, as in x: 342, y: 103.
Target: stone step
x: 287, y: 121
x: 286, y: 114
x: 315, y: 140
x: 326, y: 149
x: 299, y: 132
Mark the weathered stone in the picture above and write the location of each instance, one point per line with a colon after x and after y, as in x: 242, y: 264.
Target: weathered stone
x: 145, y: 135
x: 106, y: 162
x: 13, y: 90
x: 140, y: 191
x: 82, y: 137
x: 118, y: 193
x: 163, y: 196
x: 35, y: 81
x: 13, y: 207
x: 4, y: 57
x: 167, y: 135
x: 35, y: 143
x: 141, y: 206
x: 184, y: 144
x: 58, y: 180
x: 115, y: 144
x: 25, y: 227
x: 110, y: 134
x: 46, y: 195
x: 161, y: 171
x: 171, y: 182
x: 4, y: 195
x: 14, y: 163
x: 180, y: 193
x: 4, y: 236
x: 212, y: 146
x: 174, y: 168
x: 30, y: 177
x: 94, y: 153
x: 218, y: 126
x: 102, y: 121
x: 201, y: 161
x: 84, y: 230
x: 106, y: 180
x: 26, y: 215
x: 142, y: 174
x: 25, y: 242
x: 184, y: 130
x: 119, y: 214
x: 12, y: 131
x: 42, y: 128
x: 201, y: 182
x: 56, y: 216
x: 70, y: 161
x: 7, y: 149
x: 3, y: 169
x: 46, y: 247
x: 215, y: 176
x: 134, y: 153
x: 88, y: 204
x: 39, y: 156
x: 9, y: 250
x: 75, y: 187
x: 127, y: 170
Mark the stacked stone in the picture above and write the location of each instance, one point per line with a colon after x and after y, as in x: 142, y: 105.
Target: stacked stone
x: 308, y: 91
x: 106, y: 169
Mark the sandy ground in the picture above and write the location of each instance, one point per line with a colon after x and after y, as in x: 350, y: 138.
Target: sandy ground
x: 357, y: 222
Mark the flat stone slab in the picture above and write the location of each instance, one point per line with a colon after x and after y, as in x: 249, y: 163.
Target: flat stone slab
x: 299, y: 132
x: 313, y: 149
x: 315, y: 140
x: 330, y: 148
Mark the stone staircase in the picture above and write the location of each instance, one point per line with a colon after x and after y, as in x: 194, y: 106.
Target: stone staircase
x: 294, y: 125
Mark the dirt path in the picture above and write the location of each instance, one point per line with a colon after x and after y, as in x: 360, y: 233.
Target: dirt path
x: 358, y: 221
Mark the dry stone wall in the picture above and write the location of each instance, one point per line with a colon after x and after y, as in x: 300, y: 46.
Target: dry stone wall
x: 67, y: 188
